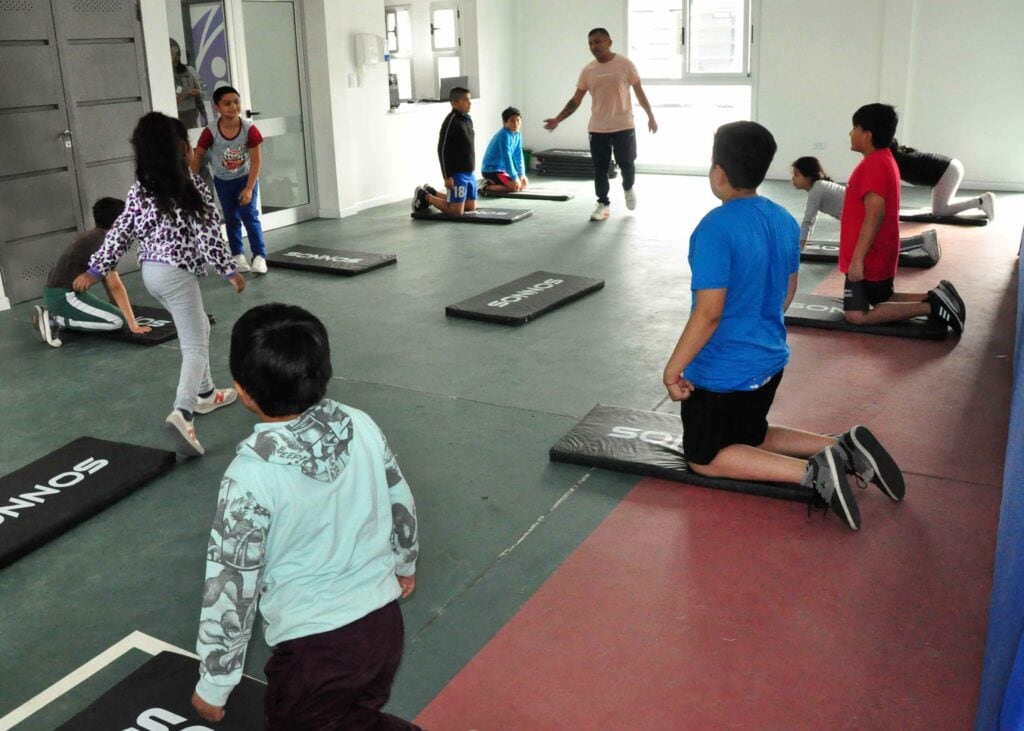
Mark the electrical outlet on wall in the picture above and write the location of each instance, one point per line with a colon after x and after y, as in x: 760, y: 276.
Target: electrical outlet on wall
x: 818, y: 146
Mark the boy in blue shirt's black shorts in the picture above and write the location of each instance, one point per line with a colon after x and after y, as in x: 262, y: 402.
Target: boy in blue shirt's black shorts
x: 457, y: 152
x: 744, y: 258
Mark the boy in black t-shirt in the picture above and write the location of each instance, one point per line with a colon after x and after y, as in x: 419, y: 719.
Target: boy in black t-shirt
x: 66, y: 308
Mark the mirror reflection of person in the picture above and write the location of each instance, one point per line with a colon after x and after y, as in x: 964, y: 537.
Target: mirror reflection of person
x: 188, y: 90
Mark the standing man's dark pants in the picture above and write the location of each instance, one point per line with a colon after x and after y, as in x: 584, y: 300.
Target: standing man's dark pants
x: 601, y: 146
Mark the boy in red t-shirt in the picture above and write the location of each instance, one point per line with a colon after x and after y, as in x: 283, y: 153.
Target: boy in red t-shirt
x: 869, y: 239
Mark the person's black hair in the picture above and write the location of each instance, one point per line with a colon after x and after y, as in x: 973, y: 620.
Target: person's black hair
x: 599, y: 32
x: 457, y: 93
x: 508, y: 113
x: 220, y: 91
x: 281, y: 356
x: 180, y: 68
x: 878, y: 119
x: 810, y: 167
x: 106, y: 210
x: 159, y: 142
x: 744, y: 150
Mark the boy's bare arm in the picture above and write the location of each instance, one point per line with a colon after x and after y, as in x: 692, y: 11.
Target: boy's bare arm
x: 119, y: 296
x: 571, y: 106
x: 255, y: 158
x: 874, y: 212
x: 197, y: 159
x: 701, y: 325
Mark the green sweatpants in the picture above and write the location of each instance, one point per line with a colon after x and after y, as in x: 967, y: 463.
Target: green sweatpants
x: 82, y: 311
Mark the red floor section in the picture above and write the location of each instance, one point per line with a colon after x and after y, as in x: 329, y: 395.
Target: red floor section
x: 693, y: 608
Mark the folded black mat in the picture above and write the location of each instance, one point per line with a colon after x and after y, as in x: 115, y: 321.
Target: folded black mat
x: 811, y: 310
x: 48, y: 497
x: 329, y: 261
x: 920, y: 251
x: 925, y: 215
x: 649, y: 443
x: 524, y: 299
x: 498, y: 216
x: 158, y: 695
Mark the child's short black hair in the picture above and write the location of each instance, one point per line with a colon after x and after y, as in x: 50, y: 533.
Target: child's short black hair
x: 878, y: 119
x: 220, y: 91
x: 599, y: 32
x: 106, y: 210
x: 281, y: 356
x: 508, y: 113
x: 457, y: 93
x: 744, y: 150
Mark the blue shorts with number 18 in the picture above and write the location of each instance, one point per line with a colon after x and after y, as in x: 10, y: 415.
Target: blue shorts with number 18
x: 463, y: 188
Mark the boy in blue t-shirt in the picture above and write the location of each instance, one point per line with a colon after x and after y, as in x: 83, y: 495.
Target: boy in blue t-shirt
x: 316, y: 529
x: 503, y: 166
x: 728, y: 362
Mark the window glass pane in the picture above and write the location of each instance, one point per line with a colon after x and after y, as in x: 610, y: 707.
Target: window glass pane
x: 404, y: 19
x: 716, y: 36
x: 447, y: 66
x: 391, y: 30
x: 655, y: 32
x: 402, y: 68
x: 443, y: 20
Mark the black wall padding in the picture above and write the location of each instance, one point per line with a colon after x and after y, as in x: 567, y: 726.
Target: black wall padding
x: 649, y: 443
x: 921, y: 251
x: 494, y: 216
x: 811, y: 310
x: 565, y: 163
x: 159, y: 695
x: 48, y: 497
x: 329, y: 261
x: 525, y: 299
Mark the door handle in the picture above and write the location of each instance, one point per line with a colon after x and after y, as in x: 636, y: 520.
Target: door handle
x: 250, y: 113
x: 65, y: 137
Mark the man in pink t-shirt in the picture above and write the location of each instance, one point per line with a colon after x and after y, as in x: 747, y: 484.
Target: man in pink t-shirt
x: 608, y: 78
x: 869, y: 236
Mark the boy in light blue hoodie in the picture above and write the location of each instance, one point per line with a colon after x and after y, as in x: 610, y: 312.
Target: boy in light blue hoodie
x: 316, y: 526
x: 503, y: 168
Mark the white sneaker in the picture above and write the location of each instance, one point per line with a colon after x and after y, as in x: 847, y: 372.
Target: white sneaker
x: 600, y: 213
x: 219, y: 397
x: 241, y: 264
x: 259, y: 265
x: 988, y: 204
x: 44, y: 327
x: 183, y: 434
x: 631, y: 199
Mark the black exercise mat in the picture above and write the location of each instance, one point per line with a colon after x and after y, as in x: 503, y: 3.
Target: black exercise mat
x: 494, y: 216
x: 925, y: 215
x: 157, y: 318
x: 48, y: 497
x: 920, y: 251
x: 158, y: 695
x: 330, y: 261
x: 811, y: 310
x: 531, y: 194
x: 649, y: 443
x: 569, y: 163
x: 524, y: 299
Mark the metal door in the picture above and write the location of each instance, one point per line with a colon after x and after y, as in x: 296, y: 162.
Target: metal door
x: 71, y: 92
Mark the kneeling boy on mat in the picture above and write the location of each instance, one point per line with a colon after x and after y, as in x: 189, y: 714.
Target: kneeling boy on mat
x: 316, y: 527
x: 869, y: 235
x: 456, y: 150
x: 503, y: 167
x: 71, y: 310
x: 725, y: 369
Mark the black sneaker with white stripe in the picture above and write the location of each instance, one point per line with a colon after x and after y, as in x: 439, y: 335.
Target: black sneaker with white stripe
x: 870, y: 462
x: 945, y: 309
x: 947, y: 287
x: 826, y: 473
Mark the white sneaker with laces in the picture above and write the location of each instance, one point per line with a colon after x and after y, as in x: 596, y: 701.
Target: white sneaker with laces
x: 259, y: 265
x: 241, y: 264
x: 988, y: 204
x: 600, y: 213
x: 183, y: 435
x: 44, y: 327
x: 219, y: 397
x: 631, y: 199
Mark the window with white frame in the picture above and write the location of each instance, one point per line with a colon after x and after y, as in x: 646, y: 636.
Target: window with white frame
x: 446, y: 41
x: 695, y: 61
x: 398, y: 29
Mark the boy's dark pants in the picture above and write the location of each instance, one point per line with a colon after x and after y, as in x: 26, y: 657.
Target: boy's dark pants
x: 338, y: 679
x: 601, y: 146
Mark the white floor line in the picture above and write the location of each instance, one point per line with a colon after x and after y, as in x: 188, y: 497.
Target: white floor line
x: 135, y: 641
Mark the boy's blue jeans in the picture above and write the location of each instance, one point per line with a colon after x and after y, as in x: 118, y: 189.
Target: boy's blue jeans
x: 235, y: 215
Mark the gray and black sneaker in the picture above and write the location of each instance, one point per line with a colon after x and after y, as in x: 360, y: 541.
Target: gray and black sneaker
x: 419, y: 199
x: 826, y: 473
x: 946, y: 309
x: 947, y: 287
x: 870, y: 462
x: 429, y: 188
